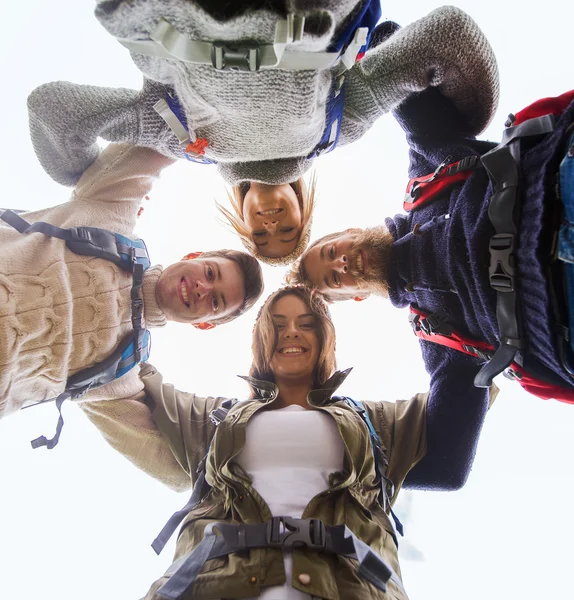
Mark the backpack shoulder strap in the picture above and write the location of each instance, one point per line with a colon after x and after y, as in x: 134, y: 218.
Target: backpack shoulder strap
x: 87, y: 241
x: 216, y: 416
x: 387, y: 486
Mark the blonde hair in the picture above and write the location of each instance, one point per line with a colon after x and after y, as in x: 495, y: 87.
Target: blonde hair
x: 265, y: 336
x: 234, y: 217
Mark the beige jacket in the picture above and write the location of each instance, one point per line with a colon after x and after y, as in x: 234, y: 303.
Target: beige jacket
x: 61, y: 312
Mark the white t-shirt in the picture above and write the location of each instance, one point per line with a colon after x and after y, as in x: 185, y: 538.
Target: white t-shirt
x: 290, y: 453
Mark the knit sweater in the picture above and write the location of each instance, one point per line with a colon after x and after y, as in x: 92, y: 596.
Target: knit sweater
x: 447, y: 266
x: 260, y: 125
x: 61, y: 312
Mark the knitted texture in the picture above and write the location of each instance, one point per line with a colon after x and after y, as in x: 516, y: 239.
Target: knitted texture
x: 261, y: 125
x: 61, y: 312
x: 447, y: 266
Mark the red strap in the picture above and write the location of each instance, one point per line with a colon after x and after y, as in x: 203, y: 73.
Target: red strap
x: 543, y: 390
x: 454, y: 341
x: 553, y: 105
x: 433, y: 183
x: 533, y: 386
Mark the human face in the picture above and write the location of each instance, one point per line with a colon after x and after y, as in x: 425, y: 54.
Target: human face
x: 199, y: 290
x: 273, y: 216
x: 354, y: 262
x: 297, y: 351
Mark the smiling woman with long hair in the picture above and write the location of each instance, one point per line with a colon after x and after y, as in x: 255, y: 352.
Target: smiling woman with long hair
x: 288, y: 502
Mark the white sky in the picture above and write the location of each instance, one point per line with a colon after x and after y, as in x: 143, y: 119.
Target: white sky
x: 77, y: 521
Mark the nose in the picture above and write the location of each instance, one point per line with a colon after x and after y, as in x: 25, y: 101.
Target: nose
x: 270, y: 225
x: 202, y: 288
x: 290, y: 332
x: 341, y: 264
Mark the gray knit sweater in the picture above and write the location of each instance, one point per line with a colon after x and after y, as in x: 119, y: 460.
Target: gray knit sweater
x: 260, y: 125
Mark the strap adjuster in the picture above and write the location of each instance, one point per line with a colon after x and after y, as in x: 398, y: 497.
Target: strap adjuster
x: 501, y: 271
x: 224, y: 58
x: 436, y: 324
x: 288, y: 532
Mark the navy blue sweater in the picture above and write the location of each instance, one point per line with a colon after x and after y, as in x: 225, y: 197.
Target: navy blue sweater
x: 447, y: 269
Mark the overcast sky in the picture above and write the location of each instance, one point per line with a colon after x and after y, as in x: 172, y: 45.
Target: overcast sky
x: 77, y: 521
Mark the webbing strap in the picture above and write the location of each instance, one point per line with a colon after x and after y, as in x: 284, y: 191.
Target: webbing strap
x: 308, y: 533
x: 21, y: 225
x: 51, y: 443
x: 168, y: 42
x: 173, y: 523
x: 358, y: 407
x: 216, y: 417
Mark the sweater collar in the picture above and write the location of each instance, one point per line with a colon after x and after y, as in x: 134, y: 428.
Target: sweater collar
x: 153, y: 314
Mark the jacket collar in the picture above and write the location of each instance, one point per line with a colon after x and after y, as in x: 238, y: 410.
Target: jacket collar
x: 268, y: 390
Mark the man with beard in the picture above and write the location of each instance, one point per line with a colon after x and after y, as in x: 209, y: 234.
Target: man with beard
x: 479, y: 298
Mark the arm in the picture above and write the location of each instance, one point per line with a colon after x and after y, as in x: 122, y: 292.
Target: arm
x: 121, y: 173
x: 163, y: 431
x: 455, y: 414
x: 124, y: 420
x: 66, y: 119
x: 445, y: 49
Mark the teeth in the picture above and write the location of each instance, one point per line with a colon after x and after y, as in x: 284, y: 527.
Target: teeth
x: 272, y: 211
x: 359, y: 263
x: 292, y: 351
x: 184, y: 293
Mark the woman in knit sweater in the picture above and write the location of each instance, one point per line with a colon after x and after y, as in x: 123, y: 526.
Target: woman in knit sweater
x: 61, y: 312
x: 260, y: 127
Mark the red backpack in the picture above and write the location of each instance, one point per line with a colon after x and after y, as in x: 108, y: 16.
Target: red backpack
x: 433, y: 328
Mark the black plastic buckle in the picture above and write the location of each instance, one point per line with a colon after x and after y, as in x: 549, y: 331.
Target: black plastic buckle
x: 436, y: 324
x: 501, y: 271
x: 137, y: 312
x: 218, y: 415
x: 287, y: 532
x: 224, y: 58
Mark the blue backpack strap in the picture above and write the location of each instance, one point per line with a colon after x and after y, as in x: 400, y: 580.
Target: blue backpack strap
x: 216, y: 416
x: 368, y: 17
x: 358, y: 407
x: 130, y: 255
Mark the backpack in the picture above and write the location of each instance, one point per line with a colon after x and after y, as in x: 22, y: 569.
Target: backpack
x: 201, y: 487
x: 129, y: 255
x: 350, y: 46
x: 501, y: 165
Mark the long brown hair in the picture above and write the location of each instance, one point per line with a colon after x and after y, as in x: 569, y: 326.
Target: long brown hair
x: 265, y: 336
x: 234, y: 217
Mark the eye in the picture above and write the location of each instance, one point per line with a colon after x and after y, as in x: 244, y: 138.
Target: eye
x: 307, y: 325
x: 287, y: 229
x: 210, y: 273
x: 259, y: 233
x: 332, y: 252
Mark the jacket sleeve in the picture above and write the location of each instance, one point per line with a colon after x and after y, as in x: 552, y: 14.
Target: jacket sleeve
x: 445, y: 49
x: 181, y: 417
x: 66, y: 119
x: 120, y: 413
x: 455, y: 413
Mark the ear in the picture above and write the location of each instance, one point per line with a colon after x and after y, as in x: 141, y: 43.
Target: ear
x: 360, y: 298
x: 203, y: 326
x: 192, y: 255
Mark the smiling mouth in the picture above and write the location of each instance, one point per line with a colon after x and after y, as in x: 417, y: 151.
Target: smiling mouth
x: 269, y: 213
x: 292, y: 350
x: 183, y: 294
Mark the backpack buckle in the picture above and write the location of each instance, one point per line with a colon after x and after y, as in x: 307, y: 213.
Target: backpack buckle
x: 501, y: 270
x: 436, y: 324
x: 288, y: 532
x: 224, y: 58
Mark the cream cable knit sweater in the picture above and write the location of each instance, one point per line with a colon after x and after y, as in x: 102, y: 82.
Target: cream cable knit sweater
x: 61, y: 312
